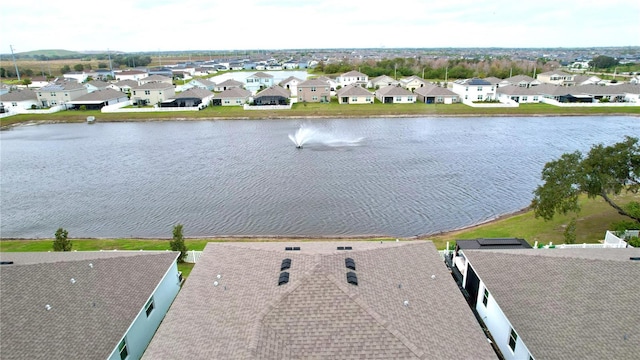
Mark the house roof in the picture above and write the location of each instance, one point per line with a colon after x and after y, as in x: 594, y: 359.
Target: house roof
x: 62, y: 86
x: 19, y: 95
x: 98, y: 84
x: 354, y: 90
x: 204, y: 82
x: 433, y: 90
x: 393, y: 90
x: 234, y: 93
x: 290, y: 79
x: 156, y: 77
x: 555, y: 72
x: 274, y: 90
x: 317, y: 313
x: 313, y: 82
x: 383, y: 78
x: 231, y: 82
x: 517, y: 90
x: 518, y: 79
x: 154, y: 85
x: 130, y: 72
x: 126, y: 83
x: 194, y: 93
x: 554, y: 90
x: 89, y: 315
x: 412, y: 78
x: 353, y: 73
x: 566, y: 303
x: 261, y: 74
x: 99, y: 96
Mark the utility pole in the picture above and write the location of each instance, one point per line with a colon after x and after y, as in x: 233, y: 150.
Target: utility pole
x: 14, y: 62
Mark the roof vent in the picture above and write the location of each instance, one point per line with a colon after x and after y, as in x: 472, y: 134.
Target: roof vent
x: 296, y: 248
x: 288, y: 248
x: 352, y: 278
x: 6, y: 262
x: 286, y: 264
x: 348, y: 248
x: 350, y: 264
x: 48, y: 307
x: 73, y: 281
x: 284, y: 278
x: 340, y: 247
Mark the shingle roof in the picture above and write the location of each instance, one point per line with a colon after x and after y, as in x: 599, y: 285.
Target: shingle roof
x: 353, y: 73
x: 156, y: 77
x: 62, y: 86
x: 290, y: 79
x: 313, y: 82
x: 517, y: 90
x: 274, y: 91
x: 194, y: 93
x: 126, y: 83
x: 317, y: 314
x: 19, y: 95
x: 233, y: 93
x: 261, y: 74
x: 156, y: 85
x: 354, y: 90
x: 231, y: 82
x: 519, y: 78
x: 99, y: 96
x: 567, y: 303
x: 393, y: 91
x: 433, y: 90
x: 88, y: 316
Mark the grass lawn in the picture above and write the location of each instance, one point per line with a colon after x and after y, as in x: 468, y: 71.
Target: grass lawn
x: 332, y: 109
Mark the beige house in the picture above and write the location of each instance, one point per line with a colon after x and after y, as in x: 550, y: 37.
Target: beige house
x: 152, y: 93
x: 60, y: 93
x: 556, y: 78
x: 432, y: 94
x: 314, y: 90
x: 232, y: 97
x: 352, y: 77
x: 135, y: 75
x: 228, y: 84
x: 156, y: 78
x: 395, y: 95
x: 353, y: 94
x: 411, y: 83
x: 382, y: 81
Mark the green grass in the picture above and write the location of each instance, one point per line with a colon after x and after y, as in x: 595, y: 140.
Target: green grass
x: 332, y: 109
x: 594, y: 219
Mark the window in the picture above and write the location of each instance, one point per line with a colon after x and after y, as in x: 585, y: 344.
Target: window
x: 466, y: 88
x: 513, y: 337
x: 147, y: 92
x: 485, y: 298
x: 535, y: 98
x: 313, y: 88
x: 524, y: 98
x: 410, y: 98
x: 122, y: 349
x: 354, y: 99
x: 466, y: 97
x: 66, y: 94
x: 149, y: 307
x: 479, y: 88
x: 315, y: 98
x: 367, y: 99
x: 398, y: 99
x: 227, y: 102
x: 479, y: 97
x: 53, y: 94
x: 439, y: 99
x: 134, y: 92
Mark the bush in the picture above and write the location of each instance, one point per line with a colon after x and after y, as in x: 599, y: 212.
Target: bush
x: 177, y: 244
x: 62, y: 243
x: 634, y: 241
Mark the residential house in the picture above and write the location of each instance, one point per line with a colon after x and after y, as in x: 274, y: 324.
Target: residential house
x: 152, y: 93
x: 232, y: 97
x: 432, y: 94
x: 258, y: 81
x: 352, y: 77
x: 587, y: 80
x: 556, y: 303
x: 412, y: 83
x: 553, y: 92
x: 190, y: 98
x: 493, y: 80
x: 95, y: 85
x: 228, y: 84
x: 164, y: 71
x: 59, y: 93
x: 104, y: 74
x: 311, y: 300
x: 97, y: 99
x: 395, y: 95
x: 520, y: 81
x: 382, y: 81
x: 21, y: 99
x: 314, y: 90
x: 519, y: 94
x: 474, y: 89
x: 332, y: 83
x: 77, y: 76
x: 124, y: 86
x: 38, y: 82
x: 354, y: 94
x: 291, y: 83
x: 84, y: 305
x: 274, y: 95
x: 201, y: 84
x: 290, y: 65
x: 134, y: 75
x: 156, y: 78
x: 556, y: 77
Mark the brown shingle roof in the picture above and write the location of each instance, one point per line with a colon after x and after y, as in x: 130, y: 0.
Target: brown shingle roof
x: 354, y: 90
x: 317, y: 314
x: 89, y: 316
x: 393, y: 91
x: 99, y: 96
x: 274, y: 91
x: 233, y: 93
x: 433, y: 90
x: 567, y: 303
x: 19, y: 95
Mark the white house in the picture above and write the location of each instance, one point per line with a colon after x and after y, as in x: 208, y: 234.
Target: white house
x: 135, y: 75
x: 382, y: 81
x: 556, y: 77
x: 354, y: 94
x: 474, y: 89
x: 569, y: 303
x: 519, y: 94
x: 352, y: 77
x: 22, y: 99
x: 258, y: 81
x: 291, y: 83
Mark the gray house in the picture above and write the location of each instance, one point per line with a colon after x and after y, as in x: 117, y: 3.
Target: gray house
x: 275, y: 95
x: 98, y: 99
x: 84, y: 305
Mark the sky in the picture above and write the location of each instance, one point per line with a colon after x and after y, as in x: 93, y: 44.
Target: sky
x: 170, y: 25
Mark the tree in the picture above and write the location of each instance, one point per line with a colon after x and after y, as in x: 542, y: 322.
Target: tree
x: 78, y: 67
x: 604, y: 171
x: 603, y: 62
x: 570, y: 232
x: 65, y: 69
x: 26, y: 82
x: 177, y: 244
x: 62, y: 243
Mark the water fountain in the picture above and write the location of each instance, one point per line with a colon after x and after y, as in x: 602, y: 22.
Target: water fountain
x: 308, y: 135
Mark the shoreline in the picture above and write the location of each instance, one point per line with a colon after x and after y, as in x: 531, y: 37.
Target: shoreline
x: 362, y: 237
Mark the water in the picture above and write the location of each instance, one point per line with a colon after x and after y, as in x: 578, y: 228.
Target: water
x: 396, y: 177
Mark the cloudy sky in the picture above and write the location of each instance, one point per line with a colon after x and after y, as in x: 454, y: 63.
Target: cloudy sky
x: 163, y: 25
